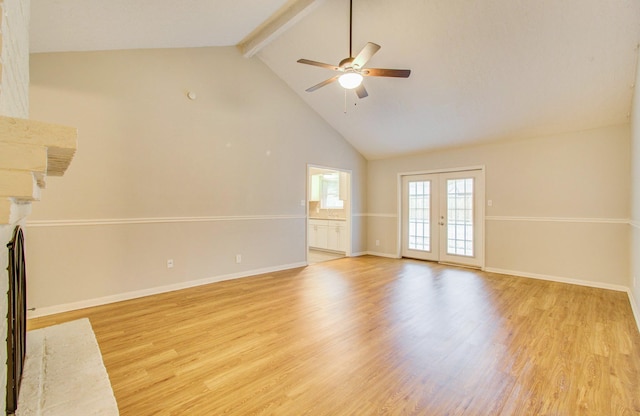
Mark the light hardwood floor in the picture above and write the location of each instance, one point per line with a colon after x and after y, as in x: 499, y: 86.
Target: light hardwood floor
x: 368, y: 336
x: 318, y: 256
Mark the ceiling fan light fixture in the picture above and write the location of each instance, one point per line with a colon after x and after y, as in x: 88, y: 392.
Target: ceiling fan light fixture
x: 350, y: 80
x: 354, y: 68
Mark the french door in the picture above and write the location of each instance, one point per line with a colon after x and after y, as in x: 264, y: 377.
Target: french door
x: 443, y: 217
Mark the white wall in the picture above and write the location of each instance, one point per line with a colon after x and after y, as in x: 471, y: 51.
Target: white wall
x: 161, y: 176
x: 634, y: 283
x: 560, y: 204
x: 14, y: 102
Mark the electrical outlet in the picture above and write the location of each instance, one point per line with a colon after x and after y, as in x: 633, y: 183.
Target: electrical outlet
x: 170, y: 264
x: 377, y: 243
x: 238, y: 258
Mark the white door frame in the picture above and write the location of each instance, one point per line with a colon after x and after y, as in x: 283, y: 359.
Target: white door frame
x: 349, y: 209
x: 433, y: 254
x: 480, y: 195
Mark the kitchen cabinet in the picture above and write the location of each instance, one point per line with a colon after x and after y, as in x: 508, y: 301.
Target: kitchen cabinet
x: 316, y: 181
x: 336, y: 235
x: 328, y: 234
x: 318, y: 233
x: 344, y: 190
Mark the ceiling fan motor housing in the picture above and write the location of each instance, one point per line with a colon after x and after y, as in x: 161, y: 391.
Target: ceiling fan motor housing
x: 346, y: 62
x: 352, y: 68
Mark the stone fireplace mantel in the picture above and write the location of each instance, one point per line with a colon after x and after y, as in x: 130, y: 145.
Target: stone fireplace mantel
x: 29, y: 152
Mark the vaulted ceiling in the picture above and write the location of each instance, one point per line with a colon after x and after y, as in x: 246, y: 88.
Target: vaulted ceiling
x: 482, y: 70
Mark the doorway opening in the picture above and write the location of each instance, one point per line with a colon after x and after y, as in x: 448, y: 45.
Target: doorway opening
x: 442, y: 216
x: 328, y: 213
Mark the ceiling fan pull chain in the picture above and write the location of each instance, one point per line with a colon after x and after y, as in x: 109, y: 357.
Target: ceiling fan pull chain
x: 345, y: 101
x: 351, y: 70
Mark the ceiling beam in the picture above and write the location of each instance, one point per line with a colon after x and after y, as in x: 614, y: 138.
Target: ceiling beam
x: 288, y: 15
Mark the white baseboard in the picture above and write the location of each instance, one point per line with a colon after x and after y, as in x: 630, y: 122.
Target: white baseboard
x: 634, y: 307
x: 374, y: 253
x: 50, y: 310
x: 387, y: 255
x: 599, y: 285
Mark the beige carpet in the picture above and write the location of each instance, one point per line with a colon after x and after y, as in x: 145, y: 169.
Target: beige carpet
x: 64, y: 374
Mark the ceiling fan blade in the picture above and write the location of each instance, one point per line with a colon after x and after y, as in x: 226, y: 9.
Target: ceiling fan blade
x: 382, y: 72
x: 361, y: 91
x: 322, y: 84
x: 365, y: 54
x: 320, y: 64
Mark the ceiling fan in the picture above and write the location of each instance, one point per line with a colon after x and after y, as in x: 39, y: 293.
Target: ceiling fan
x: 352, y: 68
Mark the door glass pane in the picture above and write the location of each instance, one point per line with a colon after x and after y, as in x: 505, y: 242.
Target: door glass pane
x: 460, y: 217
x: 419, y: 215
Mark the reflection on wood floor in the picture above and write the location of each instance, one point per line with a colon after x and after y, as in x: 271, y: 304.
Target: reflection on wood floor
x: 318, y: 256
x: 367, y: 336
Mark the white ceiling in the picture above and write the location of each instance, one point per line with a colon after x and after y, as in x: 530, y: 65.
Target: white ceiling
x: 482, y: 70
x: 85, y: 25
